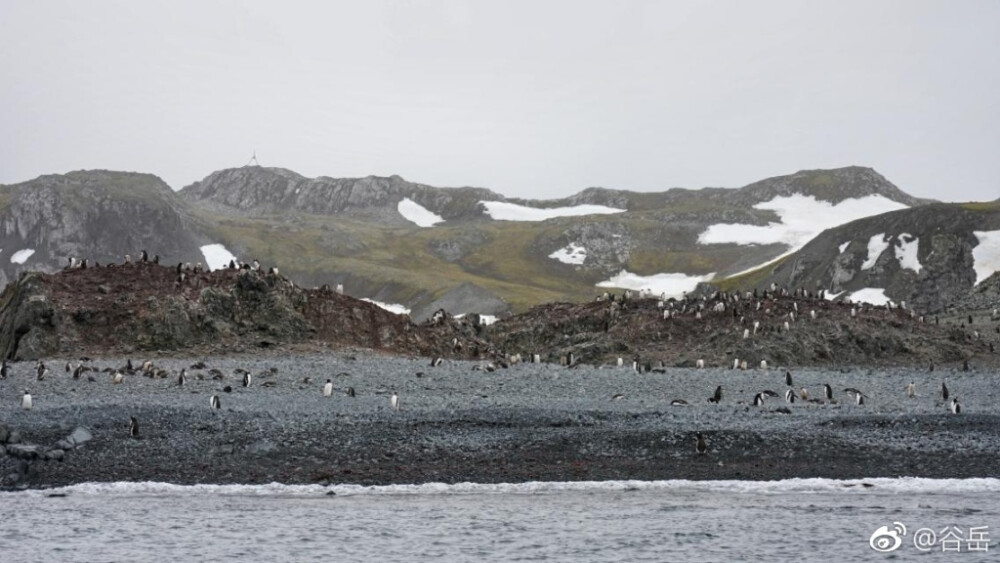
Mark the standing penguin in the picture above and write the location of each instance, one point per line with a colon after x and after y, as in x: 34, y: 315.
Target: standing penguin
x: 911, y: 390
x: 118, y: 377
x: 350, y: 392
x: 214, y: 401
x: 41, y: 370
x: 717, y: 397
x: 944, y: 391
x: 182, y: 378
x: 394, y: 401
x: 4, y: 370
x: 26, y: 402
x: 247, y: 379
x: 788, y: 378
x: 700, y: 446
x: 828, y: 391
x: 133, y: 427
x: 955, y: 407
x: 328, y: 388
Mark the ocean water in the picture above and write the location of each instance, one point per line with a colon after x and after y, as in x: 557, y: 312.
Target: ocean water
x: 628, y: 521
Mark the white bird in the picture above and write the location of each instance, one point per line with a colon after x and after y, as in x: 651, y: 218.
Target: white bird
x: 394, y: 401
x: 26, y: 402
x: 328, y: 388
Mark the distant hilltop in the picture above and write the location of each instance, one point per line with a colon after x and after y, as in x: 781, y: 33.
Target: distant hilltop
x: 418, y: 248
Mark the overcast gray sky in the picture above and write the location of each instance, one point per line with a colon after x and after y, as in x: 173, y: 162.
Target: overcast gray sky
x: 532, y: 99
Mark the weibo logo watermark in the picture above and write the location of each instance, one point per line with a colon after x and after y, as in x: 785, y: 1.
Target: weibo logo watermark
x: 887, y: 539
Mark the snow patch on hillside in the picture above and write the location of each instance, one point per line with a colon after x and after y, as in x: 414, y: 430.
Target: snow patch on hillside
x: 802, y: 218
x: 673, y: 284
x: 876, y: 246
x: 216, y: 256
x: 418, y: 214
x: 391, y: 307
x: 571, y: 254
x: 503, y: 211
x: 844, y: 246
x: 21, y: 256
x: 870, y: 295
x: 986, y: 254
x: 906, y: 252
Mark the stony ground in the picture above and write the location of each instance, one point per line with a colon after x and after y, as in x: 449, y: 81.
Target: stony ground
x: 457, y: 423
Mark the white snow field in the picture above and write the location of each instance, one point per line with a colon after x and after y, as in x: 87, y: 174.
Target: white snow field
x: 906, y: 252
x: 503, y: 211
x: 876, y: 246
x: 418, y: 214
x: 21, y: 256
x: 844, y: 246
x: 391, y: 307
x: 870, y: 295
x: 986, y: 254
x: 802, y: 218
x: 673, y: 285
x: 570, y: 254
x: 216, y: 256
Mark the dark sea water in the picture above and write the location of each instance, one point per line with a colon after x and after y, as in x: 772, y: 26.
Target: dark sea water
x: 793, y: 520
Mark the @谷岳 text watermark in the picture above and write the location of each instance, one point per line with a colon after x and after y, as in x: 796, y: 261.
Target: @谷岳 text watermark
x: 954, y: 538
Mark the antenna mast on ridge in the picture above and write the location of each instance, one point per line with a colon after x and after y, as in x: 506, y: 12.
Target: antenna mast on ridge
x: 253, y: 159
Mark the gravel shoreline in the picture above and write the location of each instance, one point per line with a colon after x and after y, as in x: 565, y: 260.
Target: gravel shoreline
x: 457, y: 423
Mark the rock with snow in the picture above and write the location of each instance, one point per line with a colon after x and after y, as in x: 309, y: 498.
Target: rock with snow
x: 670, y: 284
x: 504, y: 211
x: 217, y: 256
x: 876, y: 246
x: 391, y: 307
x: 418, y: 214
x: 986, y: 254
x: 21, y: 256
x: 906, y: 252
x: 570, y: 254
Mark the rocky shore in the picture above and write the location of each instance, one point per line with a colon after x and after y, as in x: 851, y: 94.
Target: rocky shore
x: 459, y: 422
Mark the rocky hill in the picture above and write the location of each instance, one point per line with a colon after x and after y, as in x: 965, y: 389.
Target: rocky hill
x: 924, y: 256
x: 99, y: 215
x: 363, y: 233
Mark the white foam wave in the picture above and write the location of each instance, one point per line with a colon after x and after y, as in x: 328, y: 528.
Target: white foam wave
x: 899, y: 485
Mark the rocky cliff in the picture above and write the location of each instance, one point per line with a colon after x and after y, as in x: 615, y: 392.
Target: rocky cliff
x: 149, y: 308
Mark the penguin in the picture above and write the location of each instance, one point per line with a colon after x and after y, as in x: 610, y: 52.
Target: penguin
x: 621, y: 361
x: 965, y: 365
x: 69, y: 367
x: 700, y: 364
x: 26, y: 402
x: 828, y: 391
x: 143, y: 256
x: 680, y: 403
x: 804, y: 394
x: 790, y: 396
x: 78, y: 371
x: 4, y: 370
x: 758, y: 400
x: 700, y: 446
x: 232, y: 264
x: 955, y: 407
x: 944, y: 391
x: 717, y: 396
x: 394, y: 401
x: 214, y: 401
x: 763, y: 364
x: 118, y: 377
x: 328, y: 388
x: 911, y: 390
x: 41, y: 370
x: 227, y: 389
x: 788, y: 378
x: 350, y: 392
x: 247, y: 379
x: 133, y: 427
x: 182, y: 378
x: 859, y: 397
x: 436, y: 362
x: 617, y: 396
